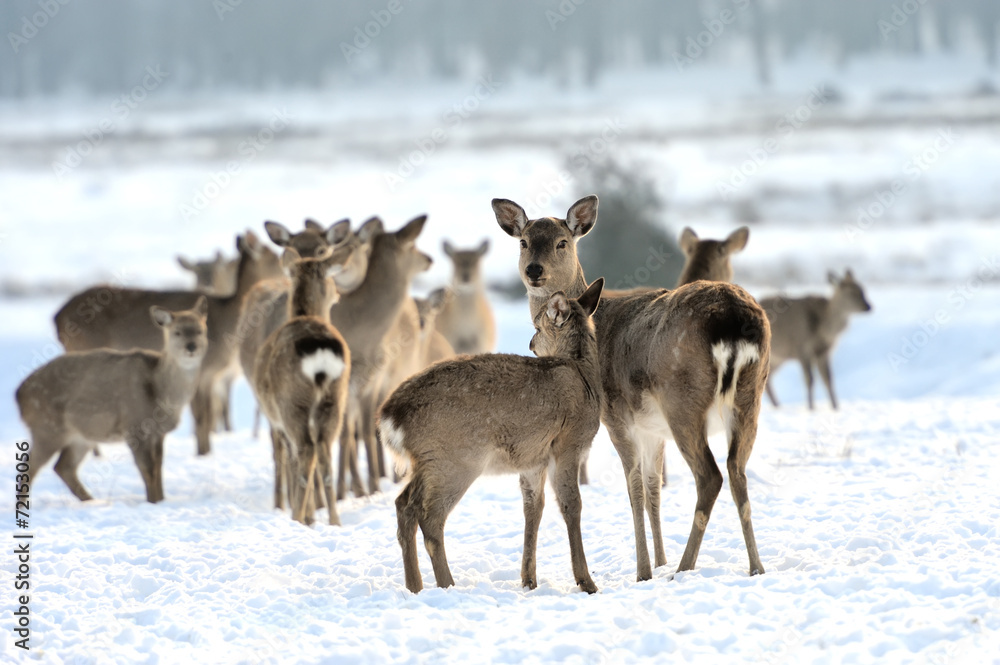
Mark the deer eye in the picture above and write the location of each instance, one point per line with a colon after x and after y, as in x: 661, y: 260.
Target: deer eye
x: 561, y: 245
x: 524, y: 244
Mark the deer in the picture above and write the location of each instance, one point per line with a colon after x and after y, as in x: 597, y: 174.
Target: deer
x: 83, y: 398
x: 367, y: 318
x: 468, y: 416
x: 807, y: 329
x: 434, y: 345
x: 217, y: 276
x: 300, y: 379
x: 113, y: 317
x: 668, y: 359
x: 709, y: 259
x: 466, y: 319
x: 266, y: 306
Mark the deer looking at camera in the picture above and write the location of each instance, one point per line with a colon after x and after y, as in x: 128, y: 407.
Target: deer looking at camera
x: 469, y: 416
x: 84, y: 398
x: 466, y: 318
x: 300, y: 379
x: 807, y: 329
x: 668, y: 360
x: 117, y: 318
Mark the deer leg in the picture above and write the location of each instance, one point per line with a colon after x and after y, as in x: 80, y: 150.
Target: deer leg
x: 440, y: 496
x: 304, y: 461
x: 256, y: 422
x: 408, y: 506
x: 653, y: 481
x: 66, y: 466
x: 625, y: 446
x: 347, y: 444
x: 663, y: 482
x: 157, y: 455
x: 690, y: 435
x: 823, y: 364
x: 45, y: 442
x: 742, y: 435
x: 567, y: 489
x: 142, y: 451
x: 770, y: 393
x: 201, y: 409
x: 324, y: 478
x: 808, y: 376
x: 372, y: 448
x: 278, y: 453
x: 584, y: 477
x: 533, y: 495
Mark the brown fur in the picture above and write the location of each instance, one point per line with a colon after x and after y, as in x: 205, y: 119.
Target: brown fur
x: 709, y: 259
x: 807, y: 329
x: 465, y: 417
x: 266, y: 306
x: 434, y: 345
x: 302, y: 397
x: 115, y: 318
x: 366, y: 318
x: 466, y: 318
x: 102, y: 396
x: 667, y: 358
x: 217, y: 276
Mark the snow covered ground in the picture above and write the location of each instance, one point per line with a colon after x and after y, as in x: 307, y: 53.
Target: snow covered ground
x: 877, y: 524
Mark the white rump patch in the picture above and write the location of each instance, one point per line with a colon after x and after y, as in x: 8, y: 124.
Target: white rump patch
x: 323, y: 361
x: 392, y: 438
x: 746, y: 353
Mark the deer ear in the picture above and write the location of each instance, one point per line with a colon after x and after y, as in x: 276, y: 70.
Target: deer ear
x: 250, y: 244
x: 510, y: 216
x: 313, y: 225
x: 484, y: 247
x: 161, y: 317
x: 557, y: 308
x: 689, y: 240
x: 201, y: 307
x: 184, y: 263
x: 371, y: 228
x: 278, y: 234
x: 831, y: 277
x: 412, y: 229
x: 338, y: 232
x: 437, y: 298
x: 288, y: 258
x: 737, y: 240
x: 449, y: 251
x: 848, y: 274
x: 591, y: 298
x: 582, y: 216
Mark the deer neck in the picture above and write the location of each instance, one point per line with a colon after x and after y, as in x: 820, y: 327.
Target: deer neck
x: 835, y: 319
x: 175, y: 379
x: 306, y: 300
x: 375, y: 304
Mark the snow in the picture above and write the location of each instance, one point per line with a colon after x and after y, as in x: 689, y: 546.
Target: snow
x: 877, y: 524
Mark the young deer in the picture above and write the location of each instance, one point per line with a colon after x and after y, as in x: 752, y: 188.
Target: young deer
x: 217, y: 276
x: 366, y: 317
x: 668, y: 360
x: 266, y: 306
x: 709, y: 259
x: 466, y: 320
x: 84, y: 398
x: 300, y: 379
x: 114, y: 317
x: 807, y: 329
x: 434, y: 345
x: 469, y: 416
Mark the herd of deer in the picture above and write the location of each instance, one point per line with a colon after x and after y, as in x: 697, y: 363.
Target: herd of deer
x: 332, y: 344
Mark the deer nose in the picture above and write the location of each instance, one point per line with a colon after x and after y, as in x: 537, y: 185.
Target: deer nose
x: 191, y: 347
x: 533, y: 271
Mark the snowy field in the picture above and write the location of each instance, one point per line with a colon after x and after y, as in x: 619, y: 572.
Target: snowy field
x: 878, y: 524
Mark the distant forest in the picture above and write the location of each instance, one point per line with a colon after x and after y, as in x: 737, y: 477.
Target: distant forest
x: 88, y: 47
